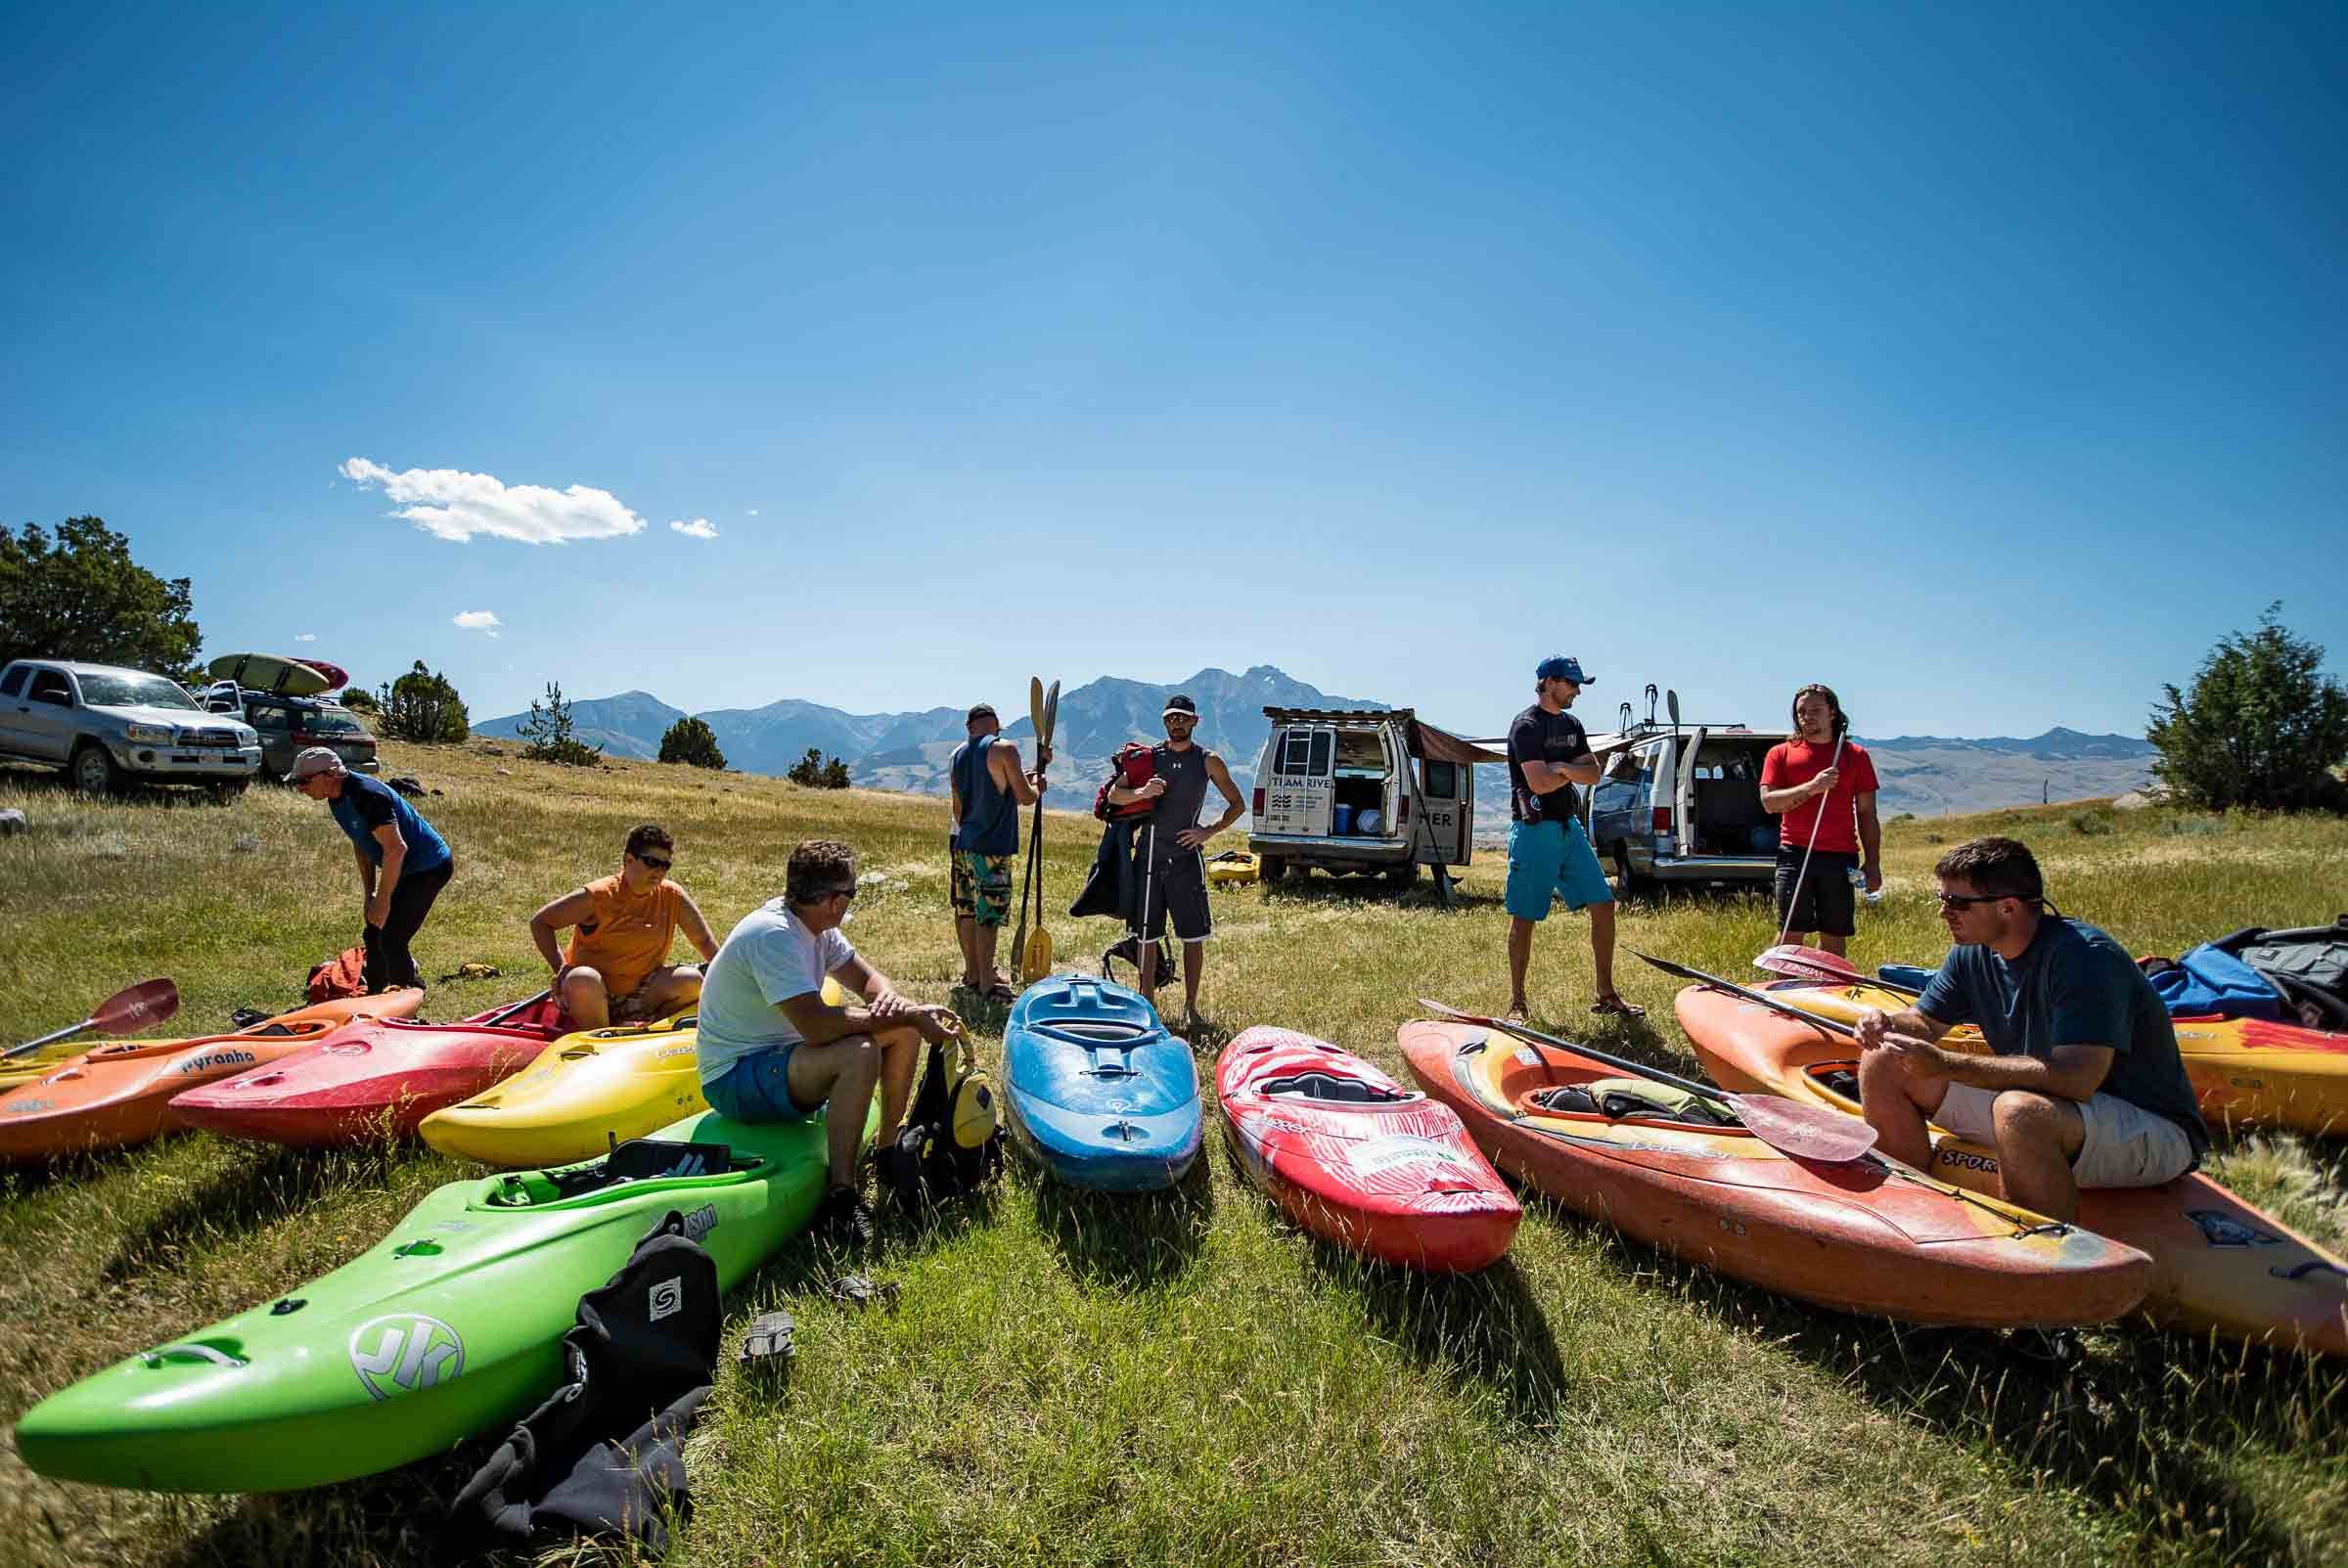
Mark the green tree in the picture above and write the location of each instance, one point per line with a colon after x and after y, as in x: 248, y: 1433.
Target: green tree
x: 836, y: 775
x: 359, y: 700
x: 689, y: 740
x: 78, y: 595
x: 547, y: 732
x: 808, y: 770
x: 2262, y: 727
x: 421, y: 705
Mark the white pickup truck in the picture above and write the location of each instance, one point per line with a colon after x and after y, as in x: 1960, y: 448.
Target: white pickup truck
x: 106, y: 725
x: 1363, y: 792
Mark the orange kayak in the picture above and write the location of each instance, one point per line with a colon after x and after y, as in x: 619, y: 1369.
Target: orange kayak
x: 2219, y: 1265
x: 120, y: 1095
x: 1863, y: 1236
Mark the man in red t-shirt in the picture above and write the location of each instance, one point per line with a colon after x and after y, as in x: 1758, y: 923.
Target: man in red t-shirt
x: 1798, y: 785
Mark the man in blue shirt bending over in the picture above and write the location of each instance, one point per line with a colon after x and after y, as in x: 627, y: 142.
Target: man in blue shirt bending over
x: 2082, y: 1086
x: 403, y: 861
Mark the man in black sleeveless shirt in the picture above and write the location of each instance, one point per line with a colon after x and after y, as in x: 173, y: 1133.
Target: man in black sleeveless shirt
x: 1174, y: 871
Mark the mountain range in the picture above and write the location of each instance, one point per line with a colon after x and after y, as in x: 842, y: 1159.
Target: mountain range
x: 1922, y: 774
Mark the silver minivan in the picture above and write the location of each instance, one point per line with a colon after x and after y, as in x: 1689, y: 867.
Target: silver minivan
x: 1681, y: 806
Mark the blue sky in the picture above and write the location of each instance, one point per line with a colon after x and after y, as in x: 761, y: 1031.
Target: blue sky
x: 1986, y: 363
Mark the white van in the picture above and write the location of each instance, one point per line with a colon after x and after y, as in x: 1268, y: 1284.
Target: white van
x: 1363, y: 793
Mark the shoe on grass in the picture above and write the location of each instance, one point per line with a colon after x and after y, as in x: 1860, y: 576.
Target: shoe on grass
x: 844, y: 1219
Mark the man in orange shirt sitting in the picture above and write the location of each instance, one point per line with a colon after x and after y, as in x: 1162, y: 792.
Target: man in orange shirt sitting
x: 617, y: 967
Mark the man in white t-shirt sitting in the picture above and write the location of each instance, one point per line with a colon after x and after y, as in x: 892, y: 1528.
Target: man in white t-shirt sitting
x: 770, y: 1049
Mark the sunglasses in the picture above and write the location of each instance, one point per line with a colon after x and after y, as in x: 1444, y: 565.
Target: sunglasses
x: 1958, y: 900
x: 655, y: 861
x: 841, y: 892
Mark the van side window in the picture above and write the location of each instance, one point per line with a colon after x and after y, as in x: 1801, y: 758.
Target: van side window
x: 13, y: 680
x: 1320, y: 764
x: 1443, y: 779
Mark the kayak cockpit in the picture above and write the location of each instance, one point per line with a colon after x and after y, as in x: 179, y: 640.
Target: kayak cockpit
x: 1315, y: 1085
x: 633, y: 1163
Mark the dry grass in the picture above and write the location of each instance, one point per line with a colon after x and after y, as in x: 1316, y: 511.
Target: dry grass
x: 1079, y: 1379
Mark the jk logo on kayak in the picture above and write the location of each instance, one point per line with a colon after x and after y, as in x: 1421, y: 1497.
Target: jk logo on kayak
x: 404, y: 1353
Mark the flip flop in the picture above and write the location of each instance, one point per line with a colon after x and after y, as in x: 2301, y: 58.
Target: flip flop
x: 1611, y: 1006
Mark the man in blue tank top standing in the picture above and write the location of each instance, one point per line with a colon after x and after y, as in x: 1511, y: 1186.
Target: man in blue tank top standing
x: 988, y: 789
x: 403, y: 861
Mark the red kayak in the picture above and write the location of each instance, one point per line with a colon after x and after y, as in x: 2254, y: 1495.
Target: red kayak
x: 374, y: 1080
x: 1860, y: 1236
x: 1354, y: 1157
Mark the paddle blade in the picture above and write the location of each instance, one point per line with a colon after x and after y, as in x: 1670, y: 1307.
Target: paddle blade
x: 1035, y: 703
x: 1051, y: 712
x: 136, y: 1007
x: 1798, y: 963
x: 1036, y: 962
x: 1805, y: 1132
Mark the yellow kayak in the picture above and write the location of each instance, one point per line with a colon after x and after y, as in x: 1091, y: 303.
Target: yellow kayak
x: 581, y: 1092
x: 2246, y: 1071
x: 1236, y: 869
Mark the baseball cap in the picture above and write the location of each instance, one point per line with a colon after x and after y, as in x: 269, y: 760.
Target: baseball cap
x: 311, y: 761
x: 1559, y: 667
x: 1181, y: 704
x: 979, y: 710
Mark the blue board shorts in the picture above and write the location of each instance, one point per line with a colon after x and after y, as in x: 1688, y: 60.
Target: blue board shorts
x: 1553, y: 857
x: 757, y: 1089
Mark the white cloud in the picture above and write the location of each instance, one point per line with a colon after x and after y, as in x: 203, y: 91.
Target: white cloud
x: 697, y: 528
x: 455, y: 505
x: 478, y: 621
x: 305, y: 636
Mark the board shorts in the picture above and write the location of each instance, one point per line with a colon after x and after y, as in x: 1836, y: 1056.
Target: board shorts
x: 981, y: 886
x: 2125, y: 1144
x: 1829, y: 903
x: 1174, y: 889
x: 757, y: 1089
x: 1552, y: 857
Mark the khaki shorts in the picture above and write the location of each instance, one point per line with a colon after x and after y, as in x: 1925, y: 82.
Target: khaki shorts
x: 2125, y: 1144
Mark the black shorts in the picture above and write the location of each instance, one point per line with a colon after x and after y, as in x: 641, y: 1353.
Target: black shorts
x: 1174, y: 888
x: 1823, y: 902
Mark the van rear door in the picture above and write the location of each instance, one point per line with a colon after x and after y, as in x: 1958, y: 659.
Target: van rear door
x: 1683, y: 801
x: 1441, y: 835
x: 1299, y: 790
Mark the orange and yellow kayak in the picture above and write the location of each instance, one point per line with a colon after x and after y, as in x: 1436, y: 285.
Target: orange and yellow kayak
x: 2219, y: 1265
x: 120, y: 1095
x: 1865, y: 1236
x: 2249, y: 1072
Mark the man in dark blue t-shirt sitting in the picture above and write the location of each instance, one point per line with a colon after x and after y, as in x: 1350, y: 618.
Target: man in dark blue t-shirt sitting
x: 2083, y: 1086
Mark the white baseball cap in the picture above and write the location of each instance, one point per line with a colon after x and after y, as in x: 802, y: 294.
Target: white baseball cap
x: 311, y: 761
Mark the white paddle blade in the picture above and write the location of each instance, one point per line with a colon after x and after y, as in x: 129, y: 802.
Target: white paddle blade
x: 1798, y: 963
x: 1805, y: 1132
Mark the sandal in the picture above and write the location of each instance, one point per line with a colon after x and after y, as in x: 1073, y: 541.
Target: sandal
x: 1611, y: 1006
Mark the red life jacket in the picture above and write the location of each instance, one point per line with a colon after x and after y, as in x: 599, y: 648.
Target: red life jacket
x: 343, y: 975
x: 1130, y: 765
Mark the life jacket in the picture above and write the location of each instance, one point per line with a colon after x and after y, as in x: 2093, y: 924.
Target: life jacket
x: 343, y: 975
x: 2204, y: 983
x: 2308, y: 965
x: 1130, y: 765
x: 952, y: 1141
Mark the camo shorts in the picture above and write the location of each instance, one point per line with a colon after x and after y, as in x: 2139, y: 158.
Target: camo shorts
x: 981, y: 886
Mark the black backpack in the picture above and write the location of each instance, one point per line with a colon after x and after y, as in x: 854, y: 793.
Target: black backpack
x: 2308, y: 965
x: 951, y: 1141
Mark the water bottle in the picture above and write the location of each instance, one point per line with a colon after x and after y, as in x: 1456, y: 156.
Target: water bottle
x: 1859, y: 886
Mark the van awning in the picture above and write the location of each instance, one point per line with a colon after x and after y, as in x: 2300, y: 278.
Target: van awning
x: 1422, y: 737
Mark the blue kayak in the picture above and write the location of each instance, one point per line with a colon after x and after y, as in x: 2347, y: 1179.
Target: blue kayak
x: 1100, y: 1095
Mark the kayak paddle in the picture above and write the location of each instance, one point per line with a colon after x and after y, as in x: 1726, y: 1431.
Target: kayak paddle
x: 1019, y: 936
x: 1772, y: 1004
x: 1798, y: 963
x: 1036, y: 961
x: 1805, y: 1132
x: 134, y: 1007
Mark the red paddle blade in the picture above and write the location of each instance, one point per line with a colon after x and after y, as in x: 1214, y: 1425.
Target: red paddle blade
x: 150, y: 1002
x: 1798, y: 963
x: 1805, y: 1132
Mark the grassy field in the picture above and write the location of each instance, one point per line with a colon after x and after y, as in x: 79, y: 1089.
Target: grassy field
x: 1180, y: 1378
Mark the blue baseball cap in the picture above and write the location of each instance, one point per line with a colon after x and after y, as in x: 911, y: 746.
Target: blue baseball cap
x: 1558, y: 667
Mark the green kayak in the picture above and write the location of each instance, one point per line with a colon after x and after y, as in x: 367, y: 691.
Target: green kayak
x: 450, y: 1325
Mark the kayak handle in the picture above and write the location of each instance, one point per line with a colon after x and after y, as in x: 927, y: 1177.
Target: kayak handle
x: 203, y: 1352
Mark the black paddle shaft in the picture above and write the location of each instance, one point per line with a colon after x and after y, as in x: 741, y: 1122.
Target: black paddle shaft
x: 1831, y: 1025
